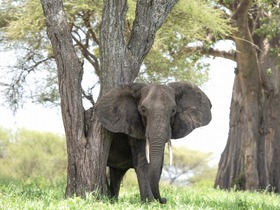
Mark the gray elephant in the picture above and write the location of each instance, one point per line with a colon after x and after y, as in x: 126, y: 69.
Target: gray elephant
x: 143, y: 118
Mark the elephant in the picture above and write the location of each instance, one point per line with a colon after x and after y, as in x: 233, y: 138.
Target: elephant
x: 143, y: 118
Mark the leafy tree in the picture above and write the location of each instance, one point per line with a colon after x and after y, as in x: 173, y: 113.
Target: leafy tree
x: 114, y: 41
x: 189, y: 166
x: 23, y: 30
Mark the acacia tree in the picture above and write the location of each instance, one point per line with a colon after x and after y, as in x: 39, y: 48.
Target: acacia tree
x: 23, y: 23
x: 115, y: 54
x: 87, y: 142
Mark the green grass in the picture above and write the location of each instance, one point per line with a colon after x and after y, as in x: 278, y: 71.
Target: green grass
x: 40, y: 194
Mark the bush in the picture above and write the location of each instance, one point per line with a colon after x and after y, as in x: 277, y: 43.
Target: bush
x: 190, y: 167
x: 130, y: 178
x: 4, y: 141
x: 30, y: 154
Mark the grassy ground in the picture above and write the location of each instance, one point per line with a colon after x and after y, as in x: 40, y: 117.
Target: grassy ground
x: 39, y: 194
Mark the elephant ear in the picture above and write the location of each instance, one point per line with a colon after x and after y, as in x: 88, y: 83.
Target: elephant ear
x: 193, y: 109
x: 117, y: 111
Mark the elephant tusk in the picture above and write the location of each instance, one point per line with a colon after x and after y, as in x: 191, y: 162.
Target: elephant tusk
x: 148, y: 150
x: 170, y: 152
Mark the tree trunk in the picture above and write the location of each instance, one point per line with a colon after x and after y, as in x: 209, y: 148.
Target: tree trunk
x: 251, y: 157
x: 88, y: 142
x: 269, y: 153
x: 121, y: 61
x: 83, y: 148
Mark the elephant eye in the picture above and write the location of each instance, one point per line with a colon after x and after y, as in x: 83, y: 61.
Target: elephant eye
x: 173, y: 111
x: 143, y: 110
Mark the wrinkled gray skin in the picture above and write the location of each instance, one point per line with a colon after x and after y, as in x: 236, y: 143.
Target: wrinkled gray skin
x: 137, y: 113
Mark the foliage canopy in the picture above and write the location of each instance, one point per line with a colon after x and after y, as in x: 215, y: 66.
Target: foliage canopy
x: 23, y: 30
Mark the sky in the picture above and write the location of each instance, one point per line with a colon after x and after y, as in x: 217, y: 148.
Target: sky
x: 211, y: 138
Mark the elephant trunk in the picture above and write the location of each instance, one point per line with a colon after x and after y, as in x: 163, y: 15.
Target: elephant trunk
x: 156, y: 151
x: 158, y: 133
x: 169, y: 144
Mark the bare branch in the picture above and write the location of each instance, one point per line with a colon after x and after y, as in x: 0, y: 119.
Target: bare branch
x: 88, y: 97
x: 90, y: 31
x: 89, y: 56
x: 88, y: 94
x: 231, y: 55
x: 37, y: 63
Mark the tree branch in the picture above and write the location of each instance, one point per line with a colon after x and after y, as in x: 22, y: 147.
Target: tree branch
x: 88, y: 97
x: 143, y: 33
x: 70, y: 69
x: 87, y: 22
x: 149, y: 17
x: 231, y: 55
x: 242, y: 9
x: 89, y: 56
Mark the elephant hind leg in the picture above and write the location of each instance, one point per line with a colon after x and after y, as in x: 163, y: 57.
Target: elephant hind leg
x: 116, y: 176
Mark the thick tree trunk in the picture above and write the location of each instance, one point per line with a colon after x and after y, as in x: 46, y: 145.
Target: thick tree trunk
x: 85, y: 151
x: 265, y: 148
x: 269, y: 153
x: 251, y: 157
x: 88, y: 142
x: 121, y: 61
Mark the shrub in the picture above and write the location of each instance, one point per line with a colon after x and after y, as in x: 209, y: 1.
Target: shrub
x: 30, y: 154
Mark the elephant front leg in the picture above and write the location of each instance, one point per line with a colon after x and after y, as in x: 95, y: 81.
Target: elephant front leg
x: 144, y: 184
x: 141, y: 168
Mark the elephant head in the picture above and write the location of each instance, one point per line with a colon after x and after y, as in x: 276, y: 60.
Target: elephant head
x: 155, y: 113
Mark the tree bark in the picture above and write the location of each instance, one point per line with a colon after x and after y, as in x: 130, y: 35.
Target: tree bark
x: 83, y: 149
x: 249, y: 160
x: 269, y: 153
x: 88, y: 142
x: 121, y: 60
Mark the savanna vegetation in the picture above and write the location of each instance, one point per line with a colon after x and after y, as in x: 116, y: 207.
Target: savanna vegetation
x: 108, y: 39
x: 28, y: 155
x: 251, y: 158
x: 33, y: 172
x: 41, y: 195
x: 189, y: 167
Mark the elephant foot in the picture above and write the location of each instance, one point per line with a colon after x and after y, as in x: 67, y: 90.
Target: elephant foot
x: 152, y: 199
x: 162, y: 200
x: 147, y: 200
